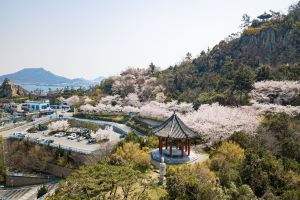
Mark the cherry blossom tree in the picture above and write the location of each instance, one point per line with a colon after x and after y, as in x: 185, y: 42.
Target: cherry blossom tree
x: 73, y: 100
x: 124, y: 85
x: 102, y: 134
x: 87, y: 108
x: 139, y: 81
x: 262, y: 108
x: 111, y: 100
x: 277, y: 92
x: 213, y: 122
x: 132, y: 99
x: 131, y: 110
x: 216, y: 122
x: 61, y: 125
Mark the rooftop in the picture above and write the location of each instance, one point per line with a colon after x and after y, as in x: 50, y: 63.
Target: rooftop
x: 173, y: 127
x: 38, y: 102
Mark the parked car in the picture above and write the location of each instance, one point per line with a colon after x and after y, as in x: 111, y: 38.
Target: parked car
x: 30, y: 119
x: 16, y: 133
x: 80, y: 139
x: 73, y: 136
x: 48, y: 142
x: 42, y: 127
x: 85, y: 131
x: 91, y: 141
x: 40, y: 140
x: 59, y: 134
x: 19, y: 135
x: 122, y: 136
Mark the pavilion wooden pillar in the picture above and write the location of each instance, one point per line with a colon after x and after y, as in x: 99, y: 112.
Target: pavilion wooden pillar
x: 171, y: 148
x: 186, y: 145
x: 166, y: 143
x: 182, y: 149
x: 189, y: 147
x: 160, y: 146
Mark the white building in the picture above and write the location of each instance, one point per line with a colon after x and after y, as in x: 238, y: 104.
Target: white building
x: 42, y: 106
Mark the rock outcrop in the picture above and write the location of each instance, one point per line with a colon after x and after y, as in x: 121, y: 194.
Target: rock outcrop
x: 9, y: 90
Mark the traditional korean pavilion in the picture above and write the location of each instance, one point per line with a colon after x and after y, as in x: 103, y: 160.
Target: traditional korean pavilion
x: 174, y: 140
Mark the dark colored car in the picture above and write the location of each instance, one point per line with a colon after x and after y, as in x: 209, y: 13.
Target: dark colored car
x: 48, y: 141
x: 42, y: 127
x: 30, y: 120
x: 91, y: 141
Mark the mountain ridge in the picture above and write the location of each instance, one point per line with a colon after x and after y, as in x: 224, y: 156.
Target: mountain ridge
x: 41, y: 76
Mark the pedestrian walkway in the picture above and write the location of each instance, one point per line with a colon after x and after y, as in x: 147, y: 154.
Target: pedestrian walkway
x: 25, y: 193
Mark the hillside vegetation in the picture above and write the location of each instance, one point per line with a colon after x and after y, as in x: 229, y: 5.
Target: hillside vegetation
x: 268, y: 48
x: 255, y: 152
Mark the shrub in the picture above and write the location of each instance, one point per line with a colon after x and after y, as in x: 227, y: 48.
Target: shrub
x: 227, y: 161
x: 102, y: 181
x: 33, y: 129
x: 42, y: 191
x: 132, y: 155
x: 191, y: 182
x: 110, y: 118
x: 243, y: 139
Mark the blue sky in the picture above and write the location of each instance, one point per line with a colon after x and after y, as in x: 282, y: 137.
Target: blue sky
x: 90, y: 38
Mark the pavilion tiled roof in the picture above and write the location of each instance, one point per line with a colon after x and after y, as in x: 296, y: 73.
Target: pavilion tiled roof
x: 173, y: 127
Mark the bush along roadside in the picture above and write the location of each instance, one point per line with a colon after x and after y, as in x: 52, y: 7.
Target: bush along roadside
x: 118, y: 118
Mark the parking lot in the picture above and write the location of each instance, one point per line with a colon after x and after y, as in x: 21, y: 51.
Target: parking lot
x: 63, y: 142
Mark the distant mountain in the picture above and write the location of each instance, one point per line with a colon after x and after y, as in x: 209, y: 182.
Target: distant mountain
x: 39, y: 77
x: 35, y: 76
x: 9, y: 90
x: 98, y: 80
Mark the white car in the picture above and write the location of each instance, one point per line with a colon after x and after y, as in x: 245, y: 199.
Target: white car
x: 59, y: 134
x: 80, y: 139
x: 16, y: 133
x: 19, y: 135
x: 40, y: 140
x: 73, y: 136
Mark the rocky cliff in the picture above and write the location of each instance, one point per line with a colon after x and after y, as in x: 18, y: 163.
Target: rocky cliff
x: 273, y: 42
x: 9, y: 90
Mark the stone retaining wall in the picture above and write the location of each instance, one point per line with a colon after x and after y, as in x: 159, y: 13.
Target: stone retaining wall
x: 59, y: 171
x: 19, y: 181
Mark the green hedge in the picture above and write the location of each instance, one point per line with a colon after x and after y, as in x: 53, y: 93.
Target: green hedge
x: 139, y: 125
x: 118, y: 118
